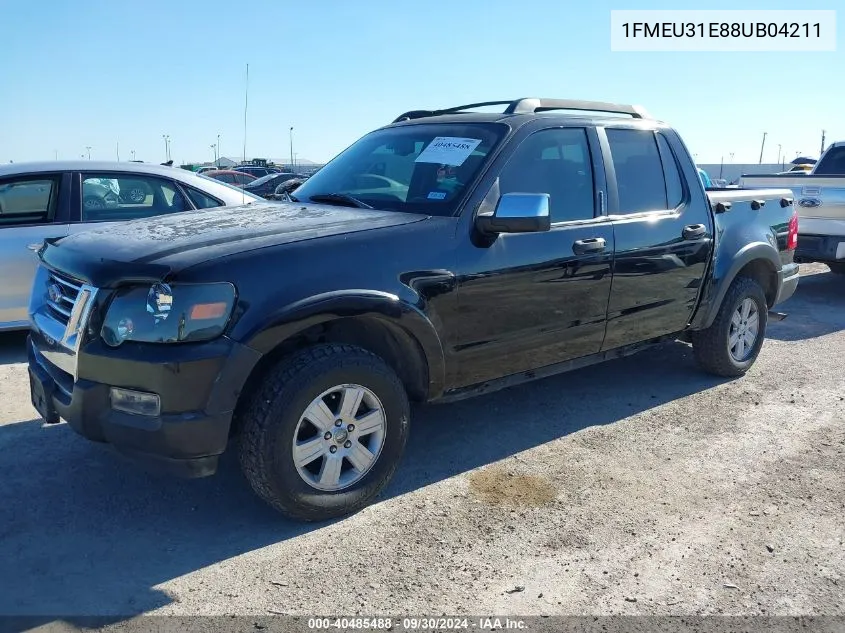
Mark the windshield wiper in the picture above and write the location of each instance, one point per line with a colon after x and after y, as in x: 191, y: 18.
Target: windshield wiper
x: 340, y: 199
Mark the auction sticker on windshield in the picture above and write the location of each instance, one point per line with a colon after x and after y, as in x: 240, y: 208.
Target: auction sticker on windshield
x: 448, y: 150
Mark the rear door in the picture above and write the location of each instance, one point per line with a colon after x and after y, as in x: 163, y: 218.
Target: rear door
x: 535, y: 299
x: 663, y: 237
x: 32, y: 208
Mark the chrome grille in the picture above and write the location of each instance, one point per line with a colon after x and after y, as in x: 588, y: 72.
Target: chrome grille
x: 60, y: 311
x: 62, y: 293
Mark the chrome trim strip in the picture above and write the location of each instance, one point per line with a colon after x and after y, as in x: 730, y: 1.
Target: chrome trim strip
x: 55, y: 306
x: 65, y: 283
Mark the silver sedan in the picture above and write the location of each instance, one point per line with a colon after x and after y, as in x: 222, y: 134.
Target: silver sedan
x: 49, y: 200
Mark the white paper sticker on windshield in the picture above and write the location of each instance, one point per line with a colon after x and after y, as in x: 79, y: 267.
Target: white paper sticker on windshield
x: 448, y: 150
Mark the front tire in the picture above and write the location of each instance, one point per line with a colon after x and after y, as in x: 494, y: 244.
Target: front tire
x: 732, y: 343
x: 324, y: 432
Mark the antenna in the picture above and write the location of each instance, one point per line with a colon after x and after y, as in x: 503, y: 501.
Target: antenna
x: 246, y: 106
x: 821, y: 151
x: 761, y: 148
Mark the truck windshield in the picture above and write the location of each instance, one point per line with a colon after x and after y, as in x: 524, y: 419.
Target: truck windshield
x: 417, y: 168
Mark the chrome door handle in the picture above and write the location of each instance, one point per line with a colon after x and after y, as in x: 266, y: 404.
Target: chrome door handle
x: 590, y: 245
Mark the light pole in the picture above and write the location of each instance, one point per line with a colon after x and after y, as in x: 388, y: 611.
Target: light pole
x: 217, y: 160
x: 214, y: 149
x: 291, y: 149
x: 88, y: 147
x: 56, y: 154
x: 732, y: 157
x: 132, y: 151
x: 779, y: 146
x: 166, y: 138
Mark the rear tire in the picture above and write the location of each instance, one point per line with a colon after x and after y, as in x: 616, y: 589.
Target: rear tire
x: 732, y: 343
x: 837, y: 268
x: 281, y: 421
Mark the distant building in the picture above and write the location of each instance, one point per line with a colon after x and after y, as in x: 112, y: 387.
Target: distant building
x: 225, y: 163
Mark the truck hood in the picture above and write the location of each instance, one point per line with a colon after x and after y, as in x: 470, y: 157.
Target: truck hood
x: 151, y: 248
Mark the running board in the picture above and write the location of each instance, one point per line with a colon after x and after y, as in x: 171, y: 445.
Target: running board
x: 777, y: 316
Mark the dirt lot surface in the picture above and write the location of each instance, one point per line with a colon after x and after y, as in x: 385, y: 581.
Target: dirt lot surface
x: 641, y: 486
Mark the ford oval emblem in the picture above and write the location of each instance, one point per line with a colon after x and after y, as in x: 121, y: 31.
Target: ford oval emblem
x: 54, y: 291
x: 809, y: 203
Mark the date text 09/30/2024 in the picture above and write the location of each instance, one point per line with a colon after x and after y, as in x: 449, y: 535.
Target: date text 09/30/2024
x: 722, y: 29
x: 417, y: 624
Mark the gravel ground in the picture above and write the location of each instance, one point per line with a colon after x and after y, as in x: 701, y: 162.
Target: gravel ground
x: 641, y: 486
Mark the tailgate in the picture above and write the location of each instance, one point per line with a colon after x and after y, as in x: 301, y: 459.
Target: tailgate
x: 819, y: 200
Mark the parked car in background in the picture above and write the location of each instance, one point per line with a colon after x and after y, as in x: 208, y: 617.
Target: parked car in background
x: 55, y: 199
x: 230, y: 177
x: 820, y: 200
x: 284, y: 190
x: 203, y: 170
x: 266, y: 186
x: 446, y: 255
x: 257, y: 171
x: 797, y: 170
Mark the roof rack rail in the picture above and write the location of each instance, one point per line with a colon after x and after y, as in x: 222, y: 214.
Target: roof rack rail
x: 533, y: 105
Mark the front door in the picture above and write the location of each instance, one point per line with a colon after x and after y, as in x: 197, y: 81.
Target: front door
x: 531, y: 300
x: 664, y: 238
x: 29, y: 214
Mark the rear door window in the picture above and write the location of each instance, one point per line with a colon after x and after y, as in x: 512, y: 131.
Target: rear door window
x: 28, y: 200
x: 128, y: 196
x: 640, y: 180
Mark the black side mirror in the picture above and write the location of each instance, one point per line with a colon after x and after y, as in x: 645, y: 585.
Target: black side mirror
x: 517, y: 213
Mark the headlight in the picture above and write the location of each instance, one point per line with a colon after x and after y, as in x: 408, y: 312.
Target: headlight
x: 168, y: 314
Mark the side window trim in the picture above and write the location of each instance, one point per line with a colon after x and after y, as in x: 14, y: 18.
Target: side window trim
x: 183, y: 191
x: 667, y: 155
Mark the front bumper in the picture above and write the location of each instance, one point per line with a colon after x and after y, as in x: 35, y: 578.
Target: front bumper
x: 788, y: 282
x: 820, y: 248
x: 198, y: 385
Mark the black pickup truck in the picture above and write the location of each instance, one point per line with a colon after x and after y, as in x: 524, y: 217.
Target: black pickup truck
x: 447, y: 254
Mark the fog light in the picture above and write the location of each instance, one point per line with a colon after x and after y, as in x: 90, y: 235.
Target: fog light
x: 137, y: 402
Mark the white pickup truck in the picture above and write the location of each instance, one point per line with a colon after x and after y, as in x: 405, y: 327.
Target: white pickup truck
x: 820, y: 201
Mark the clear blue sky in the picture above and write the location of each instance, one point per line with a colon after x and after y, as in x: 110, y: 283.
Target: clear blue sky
x: 102, y: 72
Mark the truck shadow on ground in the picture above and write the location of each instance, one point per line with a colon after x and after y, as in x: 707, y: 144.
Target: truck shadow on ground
x: 816, y: 309
x: 89, y: 533
x: 12, y: 347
